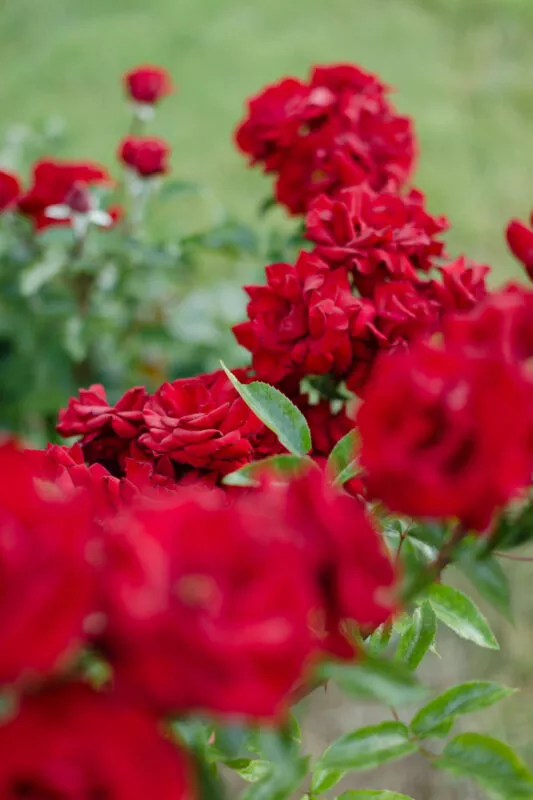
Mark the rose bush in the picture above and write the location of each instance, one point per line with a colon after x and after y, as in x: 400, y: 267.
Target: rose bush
x: 216, y: 544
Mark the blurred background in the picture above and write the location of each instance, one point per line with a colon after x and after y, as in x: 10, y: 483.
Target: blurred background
x: 462, y: 68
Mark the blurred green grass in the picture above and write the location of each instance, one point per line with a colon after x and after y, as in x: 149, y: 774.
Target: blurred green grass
x: 462, y: 68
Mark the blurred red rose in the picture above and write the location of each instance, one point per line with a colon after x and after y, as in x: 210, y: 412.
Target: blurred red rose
x: 147, y: 156
x: 148, y: 84
x: 202, y: 423
x: 520, y: 241
x: 209, y: 606
x: 10, y: 190
x: 53, y: 180
x: 447, y: 433
x: 46, y: 590
x: 72, y: 742
x: 354, y: 576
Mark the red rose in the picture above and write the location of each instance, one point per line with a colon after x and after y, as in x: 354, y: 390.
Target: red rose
x: 520, y: 241
x: 10, y: 190
x: 47, y: 582
x: 147, y: 156
x: 72, y: 742
x: 53, y: 181
x: 334, y: 131
x: 303, y: 322
x: 404, y: 313
x: 462, y: 285
x: 208, y: 606
x: 201, y: 422
x: 106, y: 430
x: 354, y: 576
x: 327, y: 427
x: 274, y: 117
x: 376, y: 236
x: 500, y: 323
x: 446, y: 433
x: 148, y: 84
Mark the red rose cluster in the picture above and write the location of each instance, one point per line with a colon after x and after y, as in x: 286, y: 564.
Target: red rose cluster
x: 447, y: 428
x: 57, y: 186
x: 198, y: 602
x: 336, y: 130
x: 363, y: 289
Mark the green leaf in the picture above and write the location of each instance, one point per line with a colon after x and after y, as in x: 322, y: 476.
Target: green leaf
x: 280, y: 783
x: 430, y: 533
x: 277, y: 412
x: 325, y: 779
x: 418, y: 637
x: 461, y: 614
x: 379, y: 639
x: 491, y: 763
x: 369, y: 794
x: 368, y: 747
x: 37, y: 275
x: 255, y: 771
x: 283, y: 466
x: 461, y: 699
x: 489, y: 579
x: 389, y: 682
x: 342, y: 464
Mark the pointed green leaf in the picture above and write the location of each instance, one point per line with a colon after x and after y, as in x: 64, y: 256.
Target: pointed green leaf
x: 283, y: 466
x: 280, y: 782
x: 461, y: 614
x: 277, y: 412
x: 490, y: 580
x: 342, y: 464
x: 461, y: 699
x: 389, y: 682
x: 418, y: 638
x: 325, y: 779
x: 369, y: 794
x: 491, y: 763
x: 368, y: 747
x: 255, y: 770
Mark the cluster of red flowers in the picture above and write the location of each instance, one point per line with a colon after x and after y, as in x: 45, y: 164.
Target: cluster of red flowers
x: 60, y: 190
x: 336, y: 130
x: 197, y: 601
x: 447, y: 427
x: 362, y: 290
x: 126, y: 550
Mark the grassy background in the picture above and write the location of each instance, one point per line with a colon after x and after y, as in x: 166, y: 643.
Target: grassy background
x: 463, y: 69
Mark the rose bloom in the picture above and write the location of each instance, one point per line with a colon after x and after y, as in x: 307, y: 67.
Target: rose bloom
x: 305, y: 321
x: 520, y: 241
x: 461, y: 287
x: 147, y: 156
x: 148, y: 84
x: 375, y: 236
x: 106, y: 431
x: 354, y: 576
x: 71, y: 742
x: 446, y: 432
x: 202, y: 423
x: 46, y: 591
x: 10, y: 190
x: 53, y: 181
x: 208, y: 606
x: 338, y: 129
